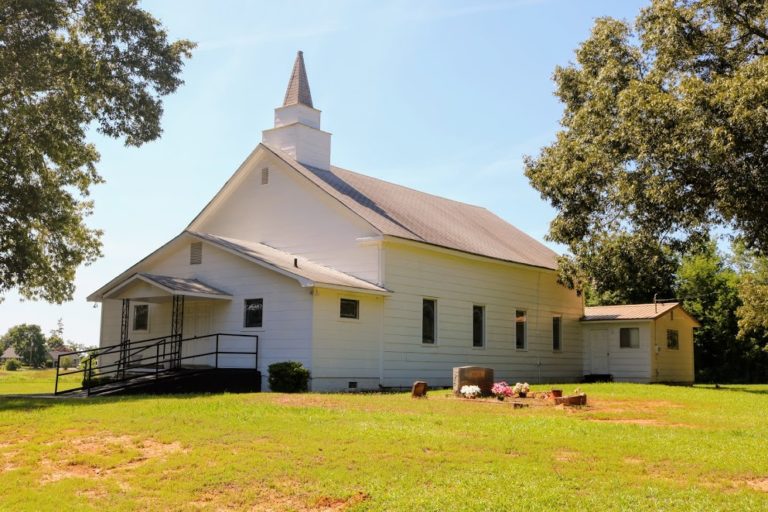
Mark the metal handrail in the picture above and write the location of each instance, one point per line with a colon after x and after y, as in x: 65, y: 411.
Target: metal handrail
x: 155, y: 360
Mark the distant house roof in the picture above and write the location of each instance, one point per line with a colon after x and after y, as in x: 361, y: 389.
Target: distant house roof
x: 628, y: 312
x: 312, y: 273
x: 10, y: 353
x: 413, y: 215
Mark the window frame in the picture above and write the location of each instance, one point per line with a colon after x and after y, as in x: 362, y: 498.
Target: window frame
x: 424, y: 340
x: 481, y: 307
x: 676, y: 339
x: 525, y: 329
x: 260, y: 300
x: 559, y: 331
x: 342, y: 300
x: 134, y: 316
x: 629, y: 329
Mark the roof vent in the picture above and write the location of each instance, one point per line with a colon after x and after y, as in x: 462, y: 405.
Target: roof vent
x: 195, y: 253
x: 265, y: 176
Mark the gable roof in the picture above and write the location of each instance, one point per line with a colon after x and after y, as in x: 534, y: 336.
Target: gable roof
x: 173, y: 285
x: 406, y: 213
x: 630, y: 311
x: 308, y: 272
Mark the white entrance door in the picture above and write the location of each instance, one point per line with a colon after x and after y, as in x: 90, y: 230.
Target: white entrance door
x: 197, y: 322
x: 599, y: 351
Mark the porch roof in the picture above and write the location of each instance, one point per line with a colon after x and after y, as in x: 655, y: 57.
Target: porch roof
x: 171, y: 285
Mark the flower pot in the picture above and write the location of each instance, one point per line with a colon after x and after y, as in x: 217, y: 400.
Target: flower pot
x: 557, y: 393
x: 500, y: 398
x: 523, y: 394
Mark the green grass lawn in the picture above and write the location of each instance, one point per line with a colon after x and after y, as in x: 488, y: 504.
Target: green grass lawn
x: 28, y: 381
x: 635, y: 447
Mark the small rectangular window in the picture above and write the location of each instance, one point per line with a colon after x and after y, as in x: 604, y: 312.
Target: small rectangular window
x: 521, y: 322
x: 195, y: 253
x: 349, y: 308
x: 629, y: 337
x: 478, y: 326
x: 253, y: 312
x: 141, y: 317
x: 428, y: 321
x: 557, y: 333
x: 673, y: 339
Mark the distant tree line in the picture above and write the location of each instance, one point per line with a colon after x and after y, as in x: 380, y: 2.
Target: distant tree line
x: 32, y: 346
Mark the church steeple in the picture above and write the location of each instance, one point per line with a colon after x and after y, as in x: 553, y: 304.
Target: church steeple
x: 297, y: 123
x: 298, y: 86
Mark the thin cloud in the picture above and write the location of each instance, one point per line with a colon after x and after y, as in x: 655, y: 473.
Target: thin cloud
x: 265, y: 37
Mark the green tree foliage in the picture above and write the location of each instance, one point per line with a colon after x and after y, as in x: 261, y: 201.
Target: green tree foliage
x: 29, y: 343
x: 664, y: 135
x: 67, y: 66
x: 56, y: 340
x: 713, y: 290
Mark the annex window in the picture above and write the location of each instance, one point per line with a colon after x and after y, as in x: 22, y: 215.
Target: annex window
x: 673, y: 339
x: 141, y: 317
x: 265, y: 176
x: 629, y: 337
x: 254, y: 309
x: 521, y: 328
x: 557, y: 333
x: 428, y: 321
x: 349, y: 308
x: 195, y: 253
x: 478, y: 326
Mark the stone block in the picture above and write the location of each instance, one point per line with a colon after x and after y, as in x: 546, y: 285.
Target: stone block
x: 473, y: 376
x: 419, y: 389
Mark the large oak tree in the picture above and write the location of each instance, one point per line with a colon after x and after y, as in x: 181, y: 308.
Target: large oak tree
x: 664, y: 137
x: 67, y: 66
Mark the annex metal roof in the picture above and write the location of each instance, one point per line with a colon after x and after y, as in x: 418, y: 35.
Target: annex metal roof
x: 628, y: 311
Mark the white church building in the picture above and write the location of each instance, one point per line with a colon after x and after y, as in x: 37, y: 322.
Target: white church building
x: 369, y: 284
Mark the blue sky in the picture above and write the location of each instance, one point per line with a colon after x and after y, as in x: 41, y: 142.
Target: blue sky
x: 442, y: 96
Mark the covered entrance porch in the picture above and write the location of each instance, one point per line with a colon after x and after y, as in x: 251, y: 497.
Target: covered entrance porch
x: 168, y: 326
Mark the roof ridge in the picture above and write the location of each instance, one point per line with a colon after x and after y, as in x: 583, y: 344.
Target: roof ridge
x: 335, y: 167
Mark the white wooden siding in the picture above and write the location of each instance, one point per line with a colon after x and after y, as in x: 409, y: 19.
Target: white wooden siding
x: 458, y: 283
x: 287, y: 317
x: 624, y: 364
x: 343, y: 349
x: 671, y: 365
x: 291, y: 214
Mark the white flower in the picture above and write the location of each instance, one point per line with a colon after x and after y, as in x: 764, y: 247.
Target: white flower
x: 470, y: 391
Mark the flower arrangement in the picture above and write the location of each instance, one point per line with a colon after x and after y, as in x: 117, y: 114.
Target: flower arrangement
x: 501, y: 390
x: 470, y: 391
x: 521, y: 389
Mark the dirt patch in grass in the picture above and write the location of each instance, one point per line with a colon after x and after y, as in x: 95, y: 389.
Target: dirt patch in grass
x: 148, y: 449
x: 652, y: 422
x: 566, y: 455
x: 230, y: 497
x: 758, y: 484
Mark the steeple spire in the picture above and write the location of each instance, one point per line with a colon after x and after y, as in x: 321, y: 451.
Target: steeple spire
x: 297, y: 124
x: 298, y: 87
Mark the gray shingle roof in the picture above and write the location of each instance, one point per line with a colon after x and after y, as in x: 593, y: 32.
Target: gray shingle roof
x: 298, y: 86
x: 628, y: 311
x: 413, y: 215
x: 299, y: 266
x: 184, y: 285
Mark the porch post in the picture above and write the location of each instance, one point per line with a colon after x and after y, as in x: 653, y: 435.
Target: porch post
x: 177, y: 329
x: 122, y: 362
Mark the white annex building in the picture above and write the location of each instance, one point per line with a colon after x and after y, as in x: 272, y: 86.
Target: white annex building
x: 367, y: 283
